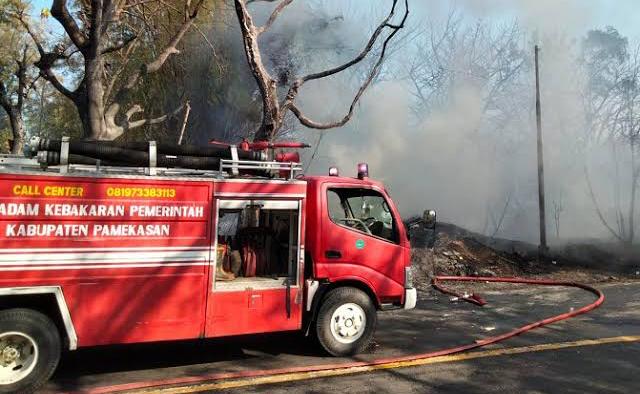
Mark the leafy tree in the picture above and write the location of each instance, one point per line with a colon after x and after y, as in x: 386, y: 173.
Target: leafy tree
x: 102, y: 39
x: 17, y: 74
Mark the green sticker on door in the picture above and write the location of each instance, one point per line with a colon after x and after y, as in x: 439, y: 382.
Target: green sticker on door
x: 360, y: 244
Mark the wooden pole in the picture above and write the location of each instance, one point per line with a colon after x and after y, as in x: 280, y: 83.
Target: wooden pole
x: 542, y: 249
x: 184, y: 123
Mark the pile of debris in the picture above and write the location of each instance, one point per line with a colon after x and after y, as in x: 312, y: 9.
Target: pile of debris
x: 452, y: 250
x: 465, y: 256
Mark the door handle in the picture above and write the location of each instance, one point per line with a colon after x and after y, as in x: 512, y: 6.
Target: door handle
x: 332, y: 254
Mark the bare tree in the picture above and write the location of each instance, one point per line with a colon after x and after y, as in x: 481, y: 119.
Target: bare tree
x: 107, y: 27
x: 455, y: 59
x: 454, y: 55
x: 558, y: 209
x: 612, y: 112
x: 274, y: 109
x: 497, y: 222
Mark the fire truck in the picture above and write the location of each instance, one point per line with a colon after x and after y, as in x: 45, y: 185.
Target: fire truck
x: 105, y: 244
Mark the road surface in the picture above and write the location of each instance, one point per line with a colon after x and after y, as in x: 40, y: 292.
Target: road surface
x: 594, y: 353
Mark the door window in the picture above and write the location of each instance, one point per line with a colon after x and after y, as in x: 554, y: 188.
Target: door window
x: 363, y: 210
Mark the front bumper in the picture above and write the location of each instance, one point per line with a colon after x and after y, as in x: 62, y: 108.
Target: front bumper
x: 410, y: 298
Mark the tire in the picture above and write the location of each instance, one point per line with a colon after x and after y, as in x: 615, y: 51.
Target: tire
x: 26, y: 329
x: 346, y: 321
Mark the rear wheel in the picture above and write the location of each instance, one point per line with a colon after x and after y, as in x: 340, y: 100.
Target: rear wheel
x: 346, y: 321
x: 29, y: 350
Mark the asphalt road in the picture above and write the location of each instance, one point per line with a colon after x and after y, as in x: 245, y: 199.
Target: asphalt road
x: 436, y: 323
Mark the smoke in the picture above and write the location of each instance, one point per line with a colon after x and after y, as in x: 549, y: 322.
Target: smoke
x: 467, y: 148
x: 542, y: 15
x: 476, y: 163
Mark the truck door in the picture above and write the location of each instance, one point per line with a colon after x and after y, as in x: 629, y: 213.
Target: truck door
x: 256, y: 268
x: 362, y: 239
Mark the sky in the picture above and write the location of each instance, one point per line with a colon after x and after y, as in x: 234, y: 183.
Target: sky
x: 585, y: 14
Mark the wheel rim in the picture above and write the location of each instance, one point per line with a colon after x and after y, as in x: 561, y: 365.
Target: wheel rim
x: 18, y: 356
x: 348, y: 323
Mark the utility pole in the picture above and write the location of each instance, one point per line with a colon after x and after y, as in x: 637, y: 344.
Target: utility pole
x: 542, y: 248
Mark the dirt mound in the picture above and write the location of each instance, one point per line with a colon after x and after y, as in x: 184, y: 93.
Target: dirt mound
x: 465, y: 257
x: 451, y: 250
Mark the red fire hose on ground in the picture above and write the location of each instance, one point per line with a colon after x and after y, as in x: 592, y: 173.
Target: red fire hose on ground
x: 436, y: 284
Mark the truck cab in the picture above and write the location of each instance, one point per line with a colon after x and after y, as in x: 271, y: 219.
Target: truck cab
x: 358, y: 256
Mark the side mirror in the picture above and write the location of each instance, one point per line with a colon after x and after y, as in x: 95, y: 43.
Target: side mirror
x: 429, y: 219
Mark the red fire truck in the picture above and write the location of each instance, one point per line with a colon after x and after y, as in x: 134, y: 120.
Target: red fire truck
x: 96, y: 254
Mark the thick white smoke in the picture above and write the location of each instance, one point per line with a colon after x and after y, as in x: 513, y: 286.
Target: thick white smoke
x: 454, y: 161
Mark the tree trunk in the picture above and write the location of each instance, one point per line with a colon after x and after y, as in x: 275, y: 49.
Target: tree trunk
x: 17, y: 129
x: 634, y: 187
x: 93, y: 119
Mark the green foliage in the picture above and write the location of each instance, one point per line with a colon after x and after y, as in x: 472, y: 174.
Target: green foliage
x: 216, y: 82
x: 14, y: 41
x: 5, y: 134
x: 54, y: 116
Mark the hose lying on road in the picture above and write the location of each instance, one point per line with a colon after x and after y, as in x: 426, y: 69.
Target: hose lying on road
x: 340, y: 366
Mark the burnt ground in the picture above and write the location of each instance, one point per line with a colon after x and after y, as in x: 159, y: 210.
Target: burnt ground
x: 452, y: 250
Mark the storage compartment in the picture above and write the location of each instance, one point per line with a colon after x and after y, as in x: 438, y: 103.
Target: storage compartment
x: 257, y: 244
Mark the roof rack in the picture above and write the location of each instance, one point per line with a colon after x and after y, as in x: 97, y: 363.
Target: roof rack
x: 290, y: 168
x: 228, y: 168
x: 19, y: 163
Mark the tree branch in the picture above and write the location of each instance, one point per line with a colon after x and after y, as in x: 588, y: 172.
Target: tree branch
x: 141, y: 2
x: 61, y: 13
x: 306, y: 121
x: 372, y: 40
x: 111, y: 13
x: 597, y: 207
x: 120, y: 45
x: 130, y: 125
x: 51, y: 77
x: 266, y: 84
x: 169, y: 50
x: 126, y: 57
x: 184, y: 122
x: 273, y: 17
x: 46, y: 60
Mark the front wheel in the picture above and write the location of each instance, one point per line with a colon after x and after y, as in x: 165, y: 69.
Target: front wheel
x: 29, y: 350
x: 346, y: 321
